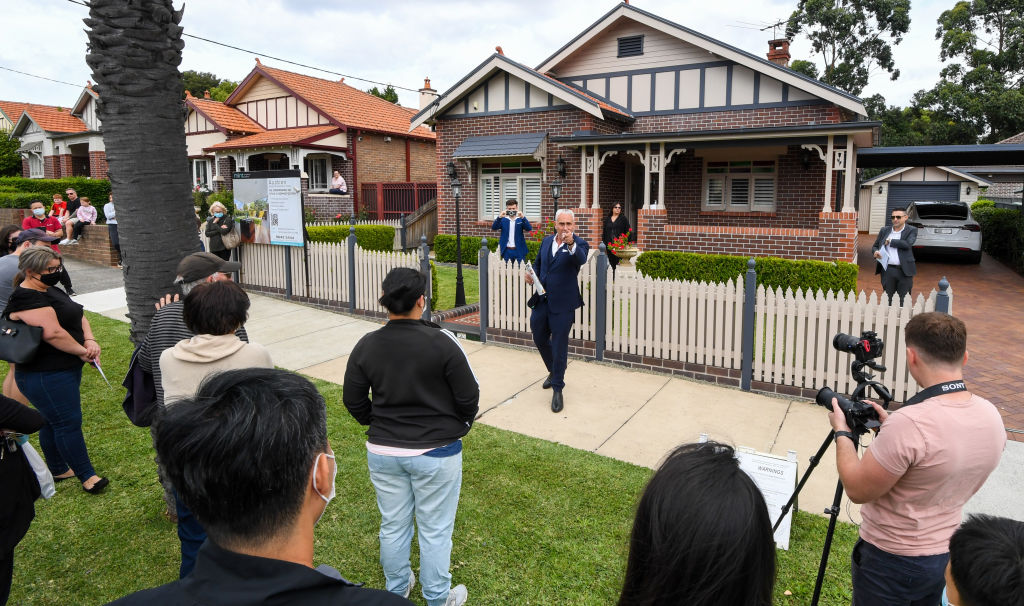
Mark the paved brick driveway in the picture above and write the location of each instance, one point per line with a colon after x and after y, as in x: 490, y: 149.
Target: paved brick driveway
x: 989, y: 298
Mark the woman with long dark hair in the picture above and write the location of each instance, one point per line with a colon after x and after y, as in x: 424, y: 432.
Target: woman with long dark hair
x: 615, y: 224
x: 702, y: 536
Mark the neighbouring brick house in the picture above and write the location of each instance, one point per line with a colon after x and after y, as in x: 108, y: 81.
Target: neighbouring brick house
x: 711, y: 148
x: 278, y: 119
x: 59, y: 142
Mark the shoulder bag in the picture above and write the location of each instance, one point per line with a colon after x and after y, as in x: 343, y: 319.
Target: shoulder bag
x: 233, y: 238
x: 140, y: 402
x: 18, y: 341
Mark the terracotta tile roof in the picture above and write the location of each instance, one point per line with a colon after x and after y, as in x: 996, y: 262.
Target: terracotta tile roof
x: 1018, y: 138
x: 13, y: 109
x: 55, y: 119
x: 274, y: 138
x: 348, y: 105
x: 225, y: 116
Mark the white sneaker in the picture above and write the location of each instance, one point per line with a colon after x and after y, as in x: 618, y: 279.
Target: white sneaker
x: 74, y: 241
x: 412, y: 581
x: 457, y: 596
x: 64, y: 241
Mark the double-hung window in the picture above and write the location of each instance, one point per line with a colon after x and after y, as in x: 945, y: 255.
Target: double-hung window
x: 500, y: 181
x: 316, y: 168
x: 200, y: 174
x: 740, y: 186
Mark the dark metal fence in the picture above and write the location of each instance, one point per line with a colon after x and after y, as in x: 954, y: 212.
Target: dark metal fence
x: 392, y: 200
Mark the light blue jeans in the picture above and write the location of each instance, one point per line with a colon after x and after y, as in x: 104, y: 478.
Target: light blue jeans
x: 428, y: 487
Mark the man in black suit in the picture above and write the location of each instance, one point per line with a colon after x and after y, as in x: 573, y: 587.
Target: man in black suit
x: 897, y: 242
x: 557, y: 266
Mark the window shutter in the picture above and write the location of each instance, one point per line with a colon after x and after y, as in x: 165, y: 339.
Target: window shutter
x: 716, y: 193
x: 491, y: 196
x: 631, y: 46
x: 764, y: 193
x: 739, y: 192
x: 531, y: 198
x: 509, y: 189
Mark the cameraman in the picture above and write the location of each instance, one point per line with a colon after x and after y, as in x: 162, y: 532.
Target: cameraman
x: 512, y: 242
x: 929, y: 458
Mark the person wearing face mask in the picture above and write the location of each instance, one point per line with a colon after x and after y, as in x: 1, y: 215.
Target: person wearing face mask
x: 213, y: 311
x: 219, y: 223
x: 52, y: 379
x: 425, y: 398
x: 39, y: 220
x: 274, y: 477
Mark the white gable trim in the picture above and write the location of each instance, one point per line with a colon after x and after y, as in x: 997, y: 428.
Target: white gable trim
x: 889, y: 175
x: 779, y: 73
x: 83, y: 100
x: 484, y: 72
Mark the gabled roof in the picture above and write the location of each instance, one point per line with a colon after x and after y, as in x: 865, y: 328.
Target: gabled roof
x: 626, y: 11
x: 13, y: 110
x: 498, y: 62
x: 50, y: 119
x: 341, y: 104
x: 224, y: 117
x: 960, y: 172
x: 1018, y: 138
x: 87, y: 94
x: 279, y: 137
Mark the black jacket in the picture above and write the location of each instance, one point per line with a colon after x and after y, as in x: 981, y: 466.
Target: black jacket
x: 425, y: 394
x: 20, y: 486
x: 233, y: 579
x: 905, y: 245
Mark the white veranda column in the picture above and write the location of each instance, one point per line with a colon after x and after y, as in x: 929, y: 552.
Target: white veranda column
x: 829, y: 160
x: 647, y: 175
x: 850, y: 189
x: 583, y: 176
x: 660, y: 160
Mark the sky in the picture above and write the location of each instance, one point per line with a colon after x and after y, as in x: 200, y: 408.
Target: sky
x: 403, y: 41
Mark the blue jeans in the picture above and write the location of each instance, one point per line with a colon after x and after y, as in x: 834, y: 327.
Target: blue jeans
x: 881, y: 578
x: 191, y: 534
x: 428, y: 487
x: 56, y: 395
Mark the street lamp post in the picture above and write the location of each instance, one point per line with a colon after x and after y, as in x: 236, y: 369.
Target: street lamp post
x: 460, y: 288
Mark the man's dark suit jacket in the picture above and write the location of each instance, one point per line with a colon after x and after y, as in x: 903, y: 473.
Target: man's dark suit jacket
x: 905, y: 245
x: 229, y: 578
x: 559, y: 274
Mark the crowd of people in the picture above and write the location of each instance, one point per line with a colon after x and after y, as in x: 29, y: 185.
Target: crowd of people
x: 243, y: 453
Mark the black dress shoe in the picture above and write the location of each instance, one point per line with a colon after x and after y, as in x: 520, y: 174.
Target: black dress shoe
x: 556, y: 402
x: 547, y: 383
x: 97, y: 487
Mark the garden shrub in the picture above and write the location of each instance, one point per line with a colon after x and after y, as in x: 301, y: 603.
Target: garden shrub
x: 772, y: 272
x: 1002, y: 235
x: 368, y: 237
x: 982, y: 203
x: 96, y: 190
x: 434, y: 290
x: 23, y: 199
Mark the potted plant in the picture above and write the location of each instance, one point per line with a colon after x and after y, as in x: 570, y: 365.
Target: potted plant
x: 623, y: 248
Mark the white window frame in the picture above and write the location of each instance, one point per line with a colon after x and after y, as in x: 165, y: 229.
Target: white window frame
x: 727, y: 189
x: 526, y: 187
x: 35, y: 165
x: 324, y: 162
x: 201, y: 171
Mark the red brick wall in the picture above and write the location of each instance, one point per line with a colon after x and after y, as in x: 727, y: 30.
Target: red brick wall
x: 25, y: 172
x: 225, y: 167
x: 423, y: 161
x: 612, y: 184
x: 51, y: 167
x: 740, y: 118
x: 93, y: 247
x: 834, y: 237
x: 380, y: 162
x: 80, y: 166
x: 65, y: 165
x: 98, y: 164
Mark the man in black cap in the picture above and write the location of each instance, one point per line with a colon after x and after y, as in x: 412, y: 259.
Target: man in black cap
x: 168, y: 328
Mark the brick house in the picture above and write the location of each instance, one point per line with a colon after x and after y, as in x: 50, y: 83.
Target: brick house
x: 60, y: 142
x: 278, y: 119
x: 710, y: 148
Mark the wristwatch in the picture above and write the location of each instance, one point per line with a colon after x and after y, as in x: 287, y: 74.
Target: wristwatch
x: 846, y: 434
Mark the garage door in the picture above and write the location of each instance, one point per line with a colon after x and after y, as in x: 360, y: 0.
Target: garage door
x: 901, y: 195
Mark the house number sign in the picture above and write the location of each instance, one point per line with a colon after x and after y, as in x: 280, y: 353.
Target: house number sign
x: 590, y: 164
x: 839, y: 160
x: 655, y: 164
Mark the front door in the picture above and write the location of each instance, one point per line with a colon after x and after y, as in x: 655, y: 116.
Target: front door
x: 635, y: 192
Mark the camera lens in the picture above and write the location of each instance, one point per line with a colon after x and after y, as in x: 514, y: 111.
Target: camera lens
x: 847, y: 343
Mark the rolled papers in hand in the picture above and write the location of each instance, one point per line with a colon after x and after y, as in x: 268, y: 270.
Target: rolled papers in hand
x: 537, y: 286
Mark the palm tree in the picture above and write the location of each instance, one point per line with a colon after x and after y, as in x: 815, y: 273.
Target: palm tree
x: 134, y: 52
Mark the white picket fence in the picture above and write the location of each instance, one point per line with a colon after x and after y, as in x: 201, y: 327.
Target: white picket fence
x: 371, y: 268
x: 702, y: 323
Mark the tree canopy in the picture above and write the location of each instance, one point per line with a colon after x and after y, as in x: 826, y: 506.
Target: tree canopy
x: 388, y: 94
x: 10, y: 159
x: 198, y: 83
x: 852, y: 36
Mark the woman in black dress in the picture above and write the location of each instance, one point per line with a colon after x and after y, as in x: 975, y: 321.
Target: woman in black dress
x: 615, y: 225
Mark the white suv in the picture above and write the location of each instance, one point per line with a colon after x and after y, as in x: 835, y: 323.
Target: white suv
x: 945, y: 227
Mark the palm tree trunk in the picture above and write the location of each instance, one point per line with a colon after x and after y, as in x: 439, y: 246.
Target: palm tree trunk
x: 134, y: 52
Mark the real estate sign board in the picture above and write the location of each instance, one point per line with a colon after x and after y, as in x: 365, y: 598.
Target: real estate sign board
x: 273, y: 199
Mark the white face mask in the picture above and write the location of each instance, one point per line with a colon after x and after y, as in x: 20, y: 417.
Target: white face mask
x: 327, y: 499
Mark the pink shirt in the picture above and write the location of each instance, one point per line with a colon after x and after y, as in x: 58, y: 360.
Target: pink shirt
x: 944, y: 453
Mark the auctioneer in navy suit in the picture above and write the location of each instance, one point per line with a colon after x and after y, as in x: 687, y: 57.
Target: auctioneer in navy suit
x: 519, y: 225
x: 553, y: 315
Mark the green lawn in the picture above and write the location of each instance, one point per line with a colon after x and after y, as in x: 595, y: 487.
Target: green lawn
x: 446, y: 286
x: 527, y: 532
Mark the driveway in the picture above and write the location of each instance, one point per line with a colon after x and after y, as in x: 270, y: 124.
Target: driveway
x: 988, y: 297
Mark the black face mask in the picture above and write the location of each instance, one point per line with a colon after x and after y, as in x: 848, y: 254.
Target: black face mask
x: 51, y: 279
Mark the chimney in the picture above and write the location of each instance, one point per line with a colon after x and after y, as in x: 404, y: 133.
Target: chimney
x: 778, y: 52
x: 499, y: 51
x: 427, y: 94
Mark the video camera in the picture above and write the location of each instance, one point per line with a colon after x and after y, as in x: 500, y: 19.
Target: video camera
x: 860, y: 415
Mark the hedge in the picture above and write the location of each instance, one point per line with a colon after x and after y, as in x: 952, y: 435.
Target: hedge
x: 444, y: 248
x: 434, y: 290
x: 23, y: 200
x: 1002, y: 235
x: 369, y: 237
x: 772, y: 272
x: 96, y: 190
x: 982, y: 203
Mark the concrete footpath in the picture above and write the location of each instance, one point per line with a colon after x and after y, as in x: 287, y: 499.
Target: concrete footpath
x: 625, y: 414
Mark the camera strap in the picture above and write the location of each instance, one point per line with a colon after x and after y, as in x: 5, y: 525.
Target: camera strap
x: 936, y: 390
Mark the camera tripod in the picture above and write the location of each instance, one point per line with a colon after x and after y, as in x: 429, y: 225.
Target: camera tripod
x: 864, y: 381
